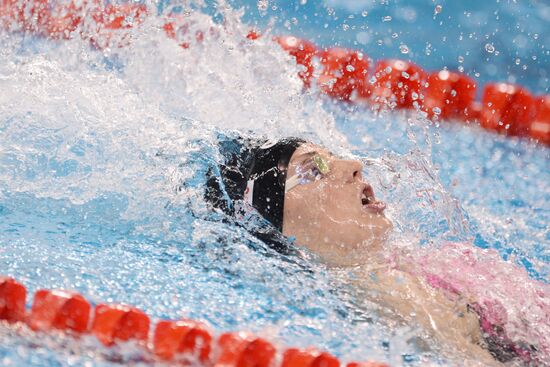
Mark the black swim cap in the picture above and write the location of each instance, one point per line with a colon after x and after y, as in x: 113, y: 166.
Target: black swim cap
x: 267, y: 177
x: 254, y: 171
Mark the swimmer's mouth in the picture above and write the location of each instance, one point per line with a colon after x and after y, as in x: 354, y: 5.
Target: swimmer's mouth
x: 369, y: 202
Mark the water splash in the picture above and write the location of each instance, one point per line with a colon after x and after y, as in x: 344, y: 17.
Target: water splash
x: 102, y: 165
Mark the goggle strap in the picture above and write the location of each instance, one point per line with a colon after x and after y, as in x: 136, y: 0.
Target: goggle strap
x: 292, y: 182
x: 249, y: 192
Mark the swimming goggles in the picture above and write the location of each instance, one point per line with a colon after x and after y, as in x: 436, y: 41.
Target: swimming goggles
x: 314, y: 168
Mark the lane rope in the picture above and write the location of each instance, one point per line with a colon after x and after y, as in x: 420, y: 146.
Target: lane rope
x: 183, y: 341
x: 343, y: 74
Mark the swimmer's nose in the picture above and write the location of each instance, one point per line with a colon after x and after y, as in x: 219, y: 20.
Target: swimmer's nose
x: 349, y: 170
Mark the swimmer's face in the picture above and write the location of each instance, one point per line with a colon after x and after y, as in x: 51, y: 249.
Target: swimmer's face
x: 335, y: 215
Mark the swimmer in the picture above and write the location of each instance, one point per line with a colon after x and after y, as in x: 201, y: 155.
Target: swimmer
x: 323, y: 203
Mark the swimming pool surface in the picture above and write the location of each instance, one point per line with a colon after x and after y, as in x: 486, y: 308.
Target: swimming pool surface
x: 103, y: 156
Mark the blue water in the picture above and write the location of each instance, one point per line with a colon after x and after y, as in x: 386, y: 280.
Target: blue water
x: 494, y: 40
x: 103, y: 156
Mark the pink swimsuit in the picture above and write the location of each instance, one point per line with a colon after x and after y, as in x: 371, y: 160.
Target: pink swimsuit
x: 513, y: 309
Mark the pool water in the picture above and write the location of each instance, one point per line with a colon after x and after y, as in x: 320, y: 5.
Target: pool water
x: 103, y: 157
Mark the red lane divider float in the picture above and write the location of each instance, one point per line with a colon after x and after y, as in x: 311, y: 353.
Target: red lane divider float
x: 399, y: 82
x: 109, y: 20
x: 61, y: 310
x: 343, y: 74
x: 120, y: 323
x: 450, y: 94
x: 308, y: 358
x: 12, y: 300
x: 540, y: 127
x: 181, y: 342
x: 510, y: 109
x: 188, y: 338
x: 244, y: 349
x: 303, y: 51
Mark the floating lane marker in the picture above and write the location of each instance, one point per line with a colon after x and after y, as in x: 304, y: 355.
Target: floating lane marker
x: 244, y: 349
x: 397, y: 81
x: 183, y: 342
x: 120, y: 323
x: 540, y: 127
x: 342, y: 74
x: 450, y: 94
x: 12, y: 300
x: 510, y: 109
x: 186, y: 338
x: 303, y: 51
x: 58, y: 309
x: 308, y: 358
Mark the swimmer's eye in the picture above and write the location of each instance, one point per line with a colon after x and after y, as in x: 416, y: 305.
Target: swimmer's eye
x: 321, y: 164
x: 311, y: 170
x: 311, y: 175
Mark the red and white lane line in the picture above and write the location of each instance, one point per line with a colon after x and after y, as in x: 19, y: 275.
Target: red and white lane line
x: 176, y: 342
x: 343, y: 74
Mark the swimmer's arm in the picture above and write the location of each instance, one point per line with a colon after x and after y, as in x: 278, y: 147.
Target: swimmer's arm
x: 414, y: 301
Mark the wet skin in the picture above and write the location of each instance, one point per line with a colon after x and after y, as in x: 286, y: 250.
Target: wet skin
x: 336, y: 216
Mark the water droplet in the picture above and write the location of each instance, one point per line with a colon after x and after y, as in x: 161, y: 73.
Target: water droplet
x: 404, y: 49
x: 461, y: 59
x: 387, y: 18
x: 438, y: 9
x: 414, y: 96
x: 518, y: 61
x: 406, y: 75
x: 365, y: 13
x: 303, y: 2
x: 394, y: 35
x: 350, y: 68
x: 262, y: 6
x: 388, y: 69
x: 489, y: 48
x: 453, y: 93
x: 461, y: 68
x: 436, y: 110
x: 345, y: 27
